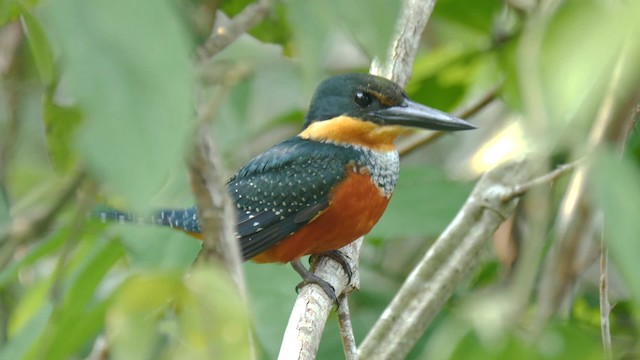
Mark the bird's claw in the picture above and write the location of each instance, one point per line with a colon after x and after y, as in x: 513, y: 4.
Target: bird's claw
x: 310, y: 278
x: 336, y: 255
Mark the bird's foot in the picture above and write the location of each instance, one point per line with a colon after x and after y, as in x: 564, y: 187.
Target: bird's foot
x: 336, y: 255
x: 309, y: 277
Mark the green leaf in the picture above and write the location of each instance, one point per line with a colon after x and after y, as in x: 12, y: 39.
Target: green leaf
x: 41, y: 249
x: 81, y: 285
x: 5, y: 208
x: 73, y: 331
x: 39, y: 46
x: 424, y: 202
x: 12, y: 9
x: 151, y: 247
x: 78, y: 320
x: 476, y: 15
x: 444, y: 76
x: 166, y: 316
x: 370, y: 22
x: 566, y: 341
x: 310, y: 37
x: 271, y: 302
x: 127, y: 64
x: 275, y: 28
x: 619, y: 201
x: 61, y: 123
x: 18, y: 346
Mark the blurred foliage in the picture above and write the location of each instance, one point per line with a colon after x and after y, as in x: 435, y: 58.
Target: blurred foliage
x: 112, y: 87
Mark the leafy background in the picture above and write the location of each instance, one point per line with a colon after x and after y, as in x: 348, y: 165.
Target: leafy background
x: 108, y: 90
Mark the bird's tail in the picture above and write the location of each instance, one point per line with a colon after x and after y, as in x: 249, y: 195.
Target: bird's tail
x: 182, y: 219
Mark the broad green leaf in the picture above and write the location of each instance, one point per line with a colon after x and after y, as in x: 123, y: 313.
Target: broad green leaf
x: 616, y: 193
x: 564, y: 63
x: 424, y: 202
x: 311, y: 36
x: 254, y: 104
x: 5, y: 209
x: 127, y: 65
x: 370, y: 22
x: 271, y: 302
x: 476, y: 15
x: 581, y: 44
x: 82, y: 283
x: 566, y: 341
x: 213, y: 320
x: 132, y: 324
x: 39, y: 46
x: 34, y: 298
x: 275, y: 28
x: 44, y: 248
x: 12, y: 9
x: 152, y: 247
x: 233, y: 7
x: 77, y: 319
x: 166, y: 316
x: 73, y: 331
x: 61, y: 123
x: 19, y: 345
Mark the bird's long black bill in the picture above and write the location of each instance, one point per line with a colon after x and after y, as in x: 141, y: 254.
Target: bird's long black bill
x: 417, y: 115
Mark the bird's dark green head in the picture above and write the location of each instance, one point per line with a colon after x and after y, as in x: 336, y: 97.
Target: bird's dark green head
x: 377, y: 100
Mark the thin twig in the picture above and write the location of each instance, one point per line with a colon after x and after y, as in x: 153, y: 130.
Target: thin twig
x: 215, y: 210
x: 422, y: 138
x: 226, y: 31
x: 25, y: 229
x: 10, y: 39
x: 605, y: 306
x: 312, y: 307
x: 452, y: 257
x: 611, y: 122
x: 308, y: 317
x: 402, y: 52
x: 547, y: 178
x: 100, y: 350
x: 346, y: 329
x: 84, y: 204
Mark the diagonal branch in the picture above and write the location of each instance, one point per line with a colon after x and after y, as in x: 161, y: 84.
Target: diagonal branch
x: 452, y: 257
x: 227, y: 31
x: 422, y: 138
x: 208, y: 181
x: 309, y: 314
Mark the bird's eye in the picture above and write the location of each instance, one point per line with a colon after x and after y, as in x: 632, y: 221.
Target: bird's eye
x: 362, y: 99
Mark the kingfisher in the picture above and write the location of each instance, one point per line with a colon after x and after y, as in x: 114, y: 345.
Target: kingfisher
x: 325, y: 187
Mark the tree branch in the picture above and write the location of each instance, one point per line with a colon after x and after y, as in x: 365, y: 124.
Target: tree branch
x: 409, y: 27
x: 452, y: 257
x: 614, y: 118
x: 422, y: 138
x: 312, y: 307
x: 605, y: 306
x: 26, y: 228
x: 309, y: 314
x: 208, y: 181
x: 226, y: 31
x: 549, y: 177
x: 346, y: 329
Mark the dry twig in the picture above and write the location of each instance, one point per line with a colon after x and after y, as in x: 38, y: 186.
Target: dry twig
x: 422, y: 138
x: 226, y: 31
x: 452, y: 257
x: 605, y: 306
x: 346, y: 329
x: 308, y: 317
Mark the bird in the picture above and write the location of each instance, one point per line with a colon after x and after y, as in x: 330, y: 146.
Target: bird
x: 325, y: 187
